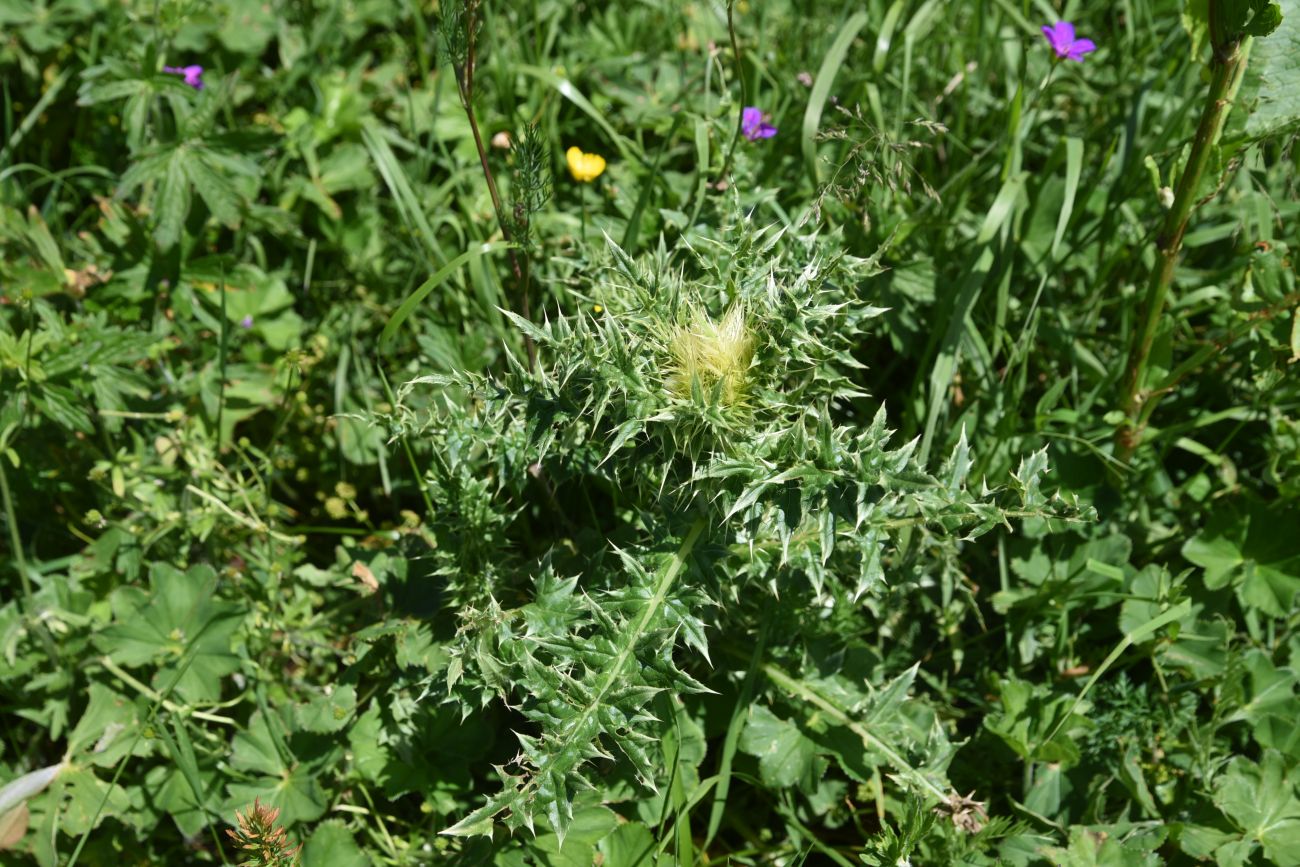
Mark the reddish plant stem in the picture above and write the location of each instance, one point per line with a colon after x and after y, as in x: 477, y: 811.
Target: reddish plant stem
x: 465, y: 87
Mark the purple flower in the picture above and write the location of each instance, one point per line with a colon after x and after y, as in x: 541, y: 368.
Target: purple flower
x: 193, y: 74
x: 1061, y: 37
x: 246, y: 322
x: 753, y: 125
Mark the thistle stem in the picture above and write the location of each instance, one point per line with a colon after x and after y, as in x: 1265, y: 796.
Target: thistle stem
x: 1228, y: 63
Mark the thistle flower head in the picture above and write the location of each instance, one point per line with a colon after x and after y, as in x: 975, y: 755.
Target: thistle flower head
x: 716, y: 354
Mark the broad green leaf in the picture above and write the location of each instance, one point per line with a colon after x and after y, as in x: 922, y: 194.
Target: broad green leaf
x: 1199, y: 841
x: 106, y: 728
x: 1030, y: 715
x: 178, y: 625
x: 1235, y: 853
x: 256, y: 749
x: 1238, y: 18
x: 1251, y: 546
x: 249, y: 26
x: 629, y: 845
x: 1272, y: 91
x: 296, y: 792
x: 172, y: 200
x: 785, y: 756
x: 1270, y: 705
x: 578, y: 848
x: 1272, y: 591
x: 1261, y: 801
x: 174, y: 795
x: 216, y: 190
x: 328, y: 713
x: 83, y: 794
x: 332, y: 845
x: 369, y: 756
x: 1098, y: 848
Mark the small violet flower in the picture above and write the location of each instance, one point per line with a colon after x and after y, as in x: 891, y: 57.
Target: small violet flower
x: 246, y: 322
x: 753, y: 125
x: 1061, y: 37
x: 193, y: 74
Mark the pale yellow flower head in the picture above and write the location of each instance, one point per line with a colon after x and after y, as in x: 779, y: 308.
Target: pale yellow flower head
x: 584, y: 167
x: 712, y: 353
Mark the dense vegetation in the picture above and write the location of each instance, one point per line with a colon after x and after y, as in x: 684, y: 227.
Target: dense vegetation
x: 649, y: 433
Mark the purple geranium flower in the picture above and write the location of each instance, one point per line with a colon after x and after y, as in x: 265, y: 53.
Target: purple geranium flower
x: 753, y: 125
x: 246, y: 322
x: 1061, y: 37
x: 193, y: 74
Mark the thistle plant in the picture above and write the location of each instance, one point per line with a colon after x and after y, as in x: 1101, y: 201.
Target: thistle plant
x: 692, y: 456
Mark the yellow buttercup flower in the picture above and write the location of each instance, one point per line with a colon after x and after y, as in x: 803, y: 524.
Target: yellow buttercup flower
x: 584, y: 167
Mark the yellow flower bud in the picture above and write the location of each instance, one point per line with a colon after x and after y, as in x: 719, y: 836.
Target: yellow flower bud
x: 585, y: 168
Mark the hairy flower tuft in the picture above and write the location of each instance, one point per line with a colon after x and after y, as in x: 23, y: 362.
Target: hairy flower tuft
x: 716, y: 354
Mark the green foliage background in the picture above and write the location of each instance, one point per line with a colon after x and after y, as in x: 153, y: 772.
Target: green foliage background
x: 291, y: 516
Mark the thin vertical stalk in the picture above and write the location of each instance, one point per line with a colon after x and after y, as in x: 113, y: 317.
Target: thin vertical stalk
x: 1228, y: 63
x: 465, y: 87
x: 15, y: 540
x: 744, y: 89
x: 20, y: 559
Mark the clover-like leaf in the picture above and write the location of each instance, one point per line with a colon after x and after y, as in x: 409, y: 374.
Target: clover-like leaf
x: 179, y: 627
x: 1261, y: 800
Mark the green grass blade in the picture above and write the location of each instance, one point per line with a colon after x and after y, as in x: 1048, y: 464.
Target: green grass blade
x: 821, y: 91
x: 1178, y: 612
x: 565, y: 88
x: 945, y: 363
x: 729, y: 744
x: 1073, y: 169
x: 408, y: 206
x: 413, y: 300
